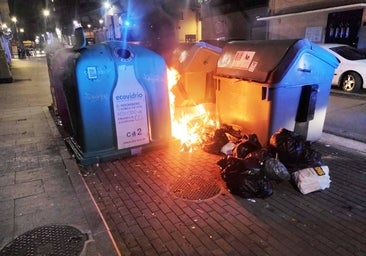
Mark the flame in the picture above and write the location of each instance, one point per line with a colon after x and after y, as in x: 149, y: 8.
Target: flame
x: 173, y: 78
x: 191, y: 125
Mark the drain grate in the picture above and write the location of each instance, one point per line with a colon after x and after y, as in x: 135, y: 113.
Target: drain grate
x: 55, y: 240
x: 195, y: 187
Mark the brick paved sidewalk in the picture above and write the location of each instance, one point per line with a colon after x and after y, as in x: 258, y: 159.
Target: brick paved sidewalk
x: 145, y: 207
x: 144, y: 198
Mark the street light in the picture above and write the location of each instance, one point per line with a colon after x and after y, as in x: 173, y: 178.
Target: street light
x: 44, y: 38
x: 101, y: 21
x: 107, y: 5
x: 76, y: 23
x: 46, y: 13
x: 14, y: 20
x: 21, y: 35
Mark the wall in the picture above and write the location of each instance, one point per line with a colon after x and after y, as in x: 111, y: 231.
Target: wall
x: 240, y: 24
x: 296, y: 26
x: 189, y: 25
x: 280, y: 5
x: 362, y: 33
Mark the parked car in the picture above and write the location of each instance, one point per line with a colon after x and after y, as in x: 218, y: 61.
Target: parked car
x: 351, y: 72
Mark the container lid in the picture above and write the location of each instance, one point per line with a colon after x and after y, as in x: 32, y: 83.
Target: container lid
x: 197, y: 57
x: 264, y: 60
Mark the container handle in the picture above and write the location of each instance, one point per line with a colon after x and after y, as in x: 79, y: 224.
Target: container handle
x: 306, y: 70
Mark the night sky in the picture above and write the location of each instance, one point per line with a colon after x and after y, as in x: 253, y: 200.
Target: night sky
x: 29, y: 16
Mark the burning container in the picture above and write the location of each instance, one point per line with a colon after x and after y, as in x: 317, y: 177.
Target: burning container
x: 263, y: 86
x: 120, y: 102
x: 196, y: 64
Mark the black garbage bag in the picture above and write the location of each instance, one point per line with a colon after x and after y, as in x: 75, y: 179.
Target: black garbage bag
x: 293, y: 150
x: 275, y: 170
x: 221, y: 137
x: 272, y: 168
x: 310, y: 157
x: 261, y: 155
x: 231, y: 131
x: 218, y: 141
x: 246, y: 145
x: 244, y: 177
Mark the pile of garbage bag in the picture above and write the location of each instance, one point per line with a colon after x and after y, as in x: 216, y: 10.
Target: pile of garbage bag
x: 248, y: 168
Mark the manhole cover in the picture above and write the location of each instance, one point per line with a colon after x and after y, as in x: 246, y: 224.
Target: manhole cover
x: 195, y: 187
x: 55, y: 240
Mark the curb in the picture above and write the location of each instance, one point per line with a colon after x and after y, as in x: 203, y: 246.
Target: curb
x: 343, y: 143
x: 100, y: 238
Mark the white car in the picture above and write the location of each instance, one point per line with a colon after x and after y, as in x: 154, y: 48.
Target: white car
x: 351, y: 72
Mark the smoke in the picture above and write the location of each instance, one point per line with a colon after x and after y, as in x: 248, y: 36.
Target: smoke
x: 154, y: 25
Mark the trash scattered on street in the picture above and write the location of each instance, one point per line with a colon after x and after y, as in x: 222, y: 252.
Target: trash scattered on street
x: 312, y: 179
x: 248, y: 168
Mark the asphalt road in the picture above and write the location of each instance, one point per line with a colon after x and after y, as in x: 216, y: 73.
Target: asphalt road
x: 346, y: 115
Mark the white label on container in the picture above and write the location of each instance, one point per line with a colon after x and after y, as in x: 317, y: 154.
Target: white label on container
x: 129, y: 103
x: 92, y: 72
x: 253, y: 66
x: 242, y: 59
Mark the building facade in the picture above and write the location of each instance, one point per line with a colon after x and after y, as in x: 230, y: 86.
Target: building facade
x: 321, y: 21
x: 233, y: 19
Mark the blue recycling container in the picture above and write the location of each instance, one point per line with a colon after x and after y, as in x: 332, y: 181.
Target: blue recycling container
x: 61, y: 72
x: 120, y: 103
x: 265, y: 85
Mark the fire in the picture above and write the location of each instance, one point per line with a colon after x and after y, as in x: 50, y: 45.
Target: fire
x: 173, y: 77
x: 191, y: 125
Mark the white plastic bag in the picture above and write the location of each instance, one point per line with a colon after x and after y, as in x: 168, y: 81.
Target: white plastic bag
x: 312, y: 179
x: 227, y: 149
